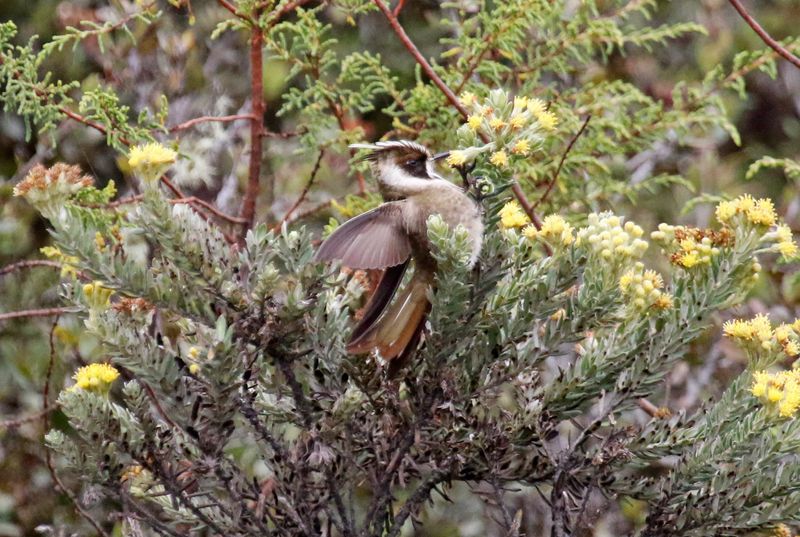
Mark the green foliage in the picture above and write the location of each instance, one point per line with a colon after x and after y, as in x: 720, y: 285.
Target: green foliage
x: 242, y: 412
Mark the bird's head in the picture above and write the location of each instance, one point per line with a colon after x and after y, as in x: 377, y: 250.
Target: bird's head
x: 401, y: 165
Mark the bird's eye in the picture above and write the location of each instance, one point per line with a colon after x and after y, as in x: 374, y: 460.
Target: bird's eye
x: 413, y: 162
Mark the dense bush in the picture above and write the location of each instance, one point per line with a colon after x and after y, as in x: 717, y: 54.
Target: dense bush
x: 215, y: 395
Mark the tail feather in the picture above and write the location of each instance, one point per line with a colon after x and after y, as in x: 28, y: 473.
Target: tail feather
x: 398, y: 325
x: 380, y: 299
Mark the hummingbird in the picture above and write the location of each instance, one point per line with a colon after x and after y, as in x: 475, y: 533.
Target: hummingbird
x: 393, y: 235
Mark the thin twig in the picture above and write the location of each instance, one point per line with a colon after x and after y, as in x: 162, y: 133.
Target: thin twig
x: 45, y: 312
x: 230, y: 7
x: 765, y: 37
x: 304, y: 193
x: 210, y: 119
x: 561, y: 162
x: 216, y: 212
x: 31, y: 263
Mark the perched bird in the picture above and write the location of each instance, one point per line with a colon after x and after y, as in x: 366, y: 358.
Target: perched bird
x: 392, y: 234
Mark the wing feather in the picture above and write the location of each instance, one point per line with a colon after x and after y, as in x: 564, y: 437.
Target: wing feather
x: 373, y: 240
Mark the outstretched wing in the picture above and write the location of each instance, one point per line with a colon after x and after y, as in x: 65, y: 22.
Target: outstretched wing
x: 373, y: 240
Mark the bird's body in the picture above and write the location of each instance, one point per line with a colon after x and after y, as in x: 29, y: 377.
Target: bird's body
x: 388, y: 236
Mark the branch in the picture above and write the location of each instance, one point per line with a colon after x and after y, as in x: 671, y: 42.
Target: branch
x: 416, y: 500
x: 208, y: 119
x: 304, y: 193
x: 765, y: 37
x: 451, y: 97
x: 216, y: 212
x: 412, y: 48
x: 256, y: 127
x: 16, y: 422
x: 45, y: 312
x: 561, y: 162
x: 230, y: 7
x: 13, y: 267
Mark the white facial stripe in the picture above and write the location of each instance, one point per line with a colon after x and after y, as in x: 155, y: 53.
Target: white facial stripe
x: 394, y: 177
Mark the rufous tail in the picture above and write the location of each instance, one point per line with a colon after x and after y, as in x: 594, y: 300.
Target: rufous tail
x: 400, y: 324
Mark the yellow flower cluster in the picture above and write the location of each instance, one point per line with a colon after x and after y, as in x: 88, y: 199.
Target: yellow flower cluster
x: 643, y: 288
x: 151, y: 160
x: 758, y: 331
x: 610, y: 238
x: 512, y: 215
x: 784, y: 241
x: 95, y: 378
x: 759, y: 212
x: 555, y: 231
x: 68, y: 262
x: 690, y: 247
x: 98, y: 297
x: 779, y: 390
x: 515, y: 127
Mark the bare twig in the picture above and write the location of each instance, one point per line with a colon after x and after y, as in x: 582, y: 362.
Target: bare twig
x: 213, y: 210
x: 765, y: 37
x: 45, y: 312
x: 304, y: 193
x: 415, y: 501
x: 561, y: 162
x: 230, y: 7
x: 208, y: 119
x: 31, y: 263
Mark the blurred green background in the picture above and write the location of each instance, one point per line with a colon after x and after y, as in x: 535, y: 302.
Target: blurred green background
x: 204, y: 77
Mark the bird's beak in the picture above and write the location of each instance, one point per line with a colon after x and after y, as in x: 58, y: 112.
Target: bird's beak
x: 440, y: 156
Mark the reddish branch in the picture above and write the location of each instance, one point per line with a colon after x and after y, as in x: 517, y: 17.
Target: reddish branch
x: 256, y: 126
x: 765, y: 37
x: 28, y: 264
x: 213, y: 210
x: 45, y: 312
x: 451, y: 97
x: 207, y: 119
x: 412, y: 48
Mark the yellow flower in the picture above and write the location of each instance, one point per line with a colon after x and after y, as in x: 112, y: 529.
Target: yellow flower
x: 496, y: 123
x: 151, y: 160
x: 530, y: 231
x: 547, y: 120
x: 762, y: 213
x: 536, y: 106
x: 782, y: 333
x: 791, y: 398
x: 784, y: 233
x: 474, y: 122
x: 774, y: 394
x: 194, y: 369
x: 468, y: 98
x: 522, y: 147
x: 516, y: 122
x: 791, y: 348
x: 760, y: 383
x: 664, y: 301
x: 456, y: 158
x: 555, y: 227
x: 499, y: 159
x: 689, y: 260
x: 762, y: 328
x: 97, y: 296
x: 511, y: 216
x: 520, y: 102
x: 787, y: 249
x: 68, y: 262
x: 725, y: 211
x: 95, y: 378
x: 738, y: 328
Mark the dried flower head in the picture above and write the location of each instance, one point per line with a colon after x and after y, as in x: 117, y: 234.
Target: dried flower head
x: 48, y: 189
